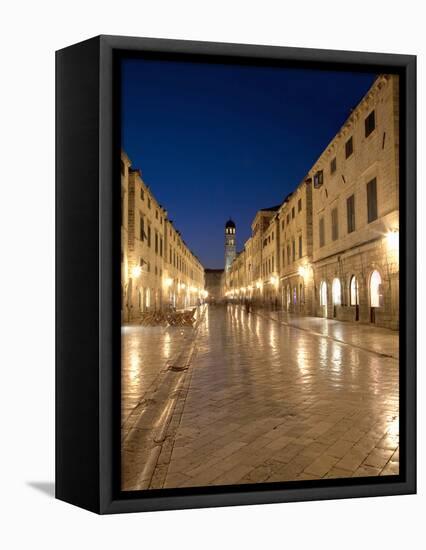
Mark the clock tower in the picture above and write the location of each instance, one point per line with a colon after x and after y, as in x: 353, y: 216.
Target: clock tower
x: 230, y: 244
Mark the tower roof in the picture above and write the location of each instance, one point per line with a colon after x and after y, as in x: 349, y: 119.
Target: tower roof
x: 230, y: 223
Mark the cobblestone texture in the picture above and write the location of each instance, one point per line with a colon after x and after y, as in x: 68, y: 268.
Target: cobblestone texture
x: 266, y: 401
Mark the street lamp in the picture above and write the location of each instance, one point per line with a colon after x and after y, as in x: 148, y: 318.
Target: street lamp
x: 392, y: 238
x: 136, y: 271
x: 305, y: 271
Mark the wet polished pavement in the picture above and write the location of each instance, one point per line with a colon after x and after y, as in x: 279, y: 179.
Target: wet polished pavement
x: 263, y: 400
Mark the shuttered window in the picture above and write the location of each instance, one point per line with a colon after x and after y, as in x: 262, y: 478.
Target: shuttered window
x: 370, y: 123
x: 349, y: 147
x: 321, y: 232
x: 334, y: 225
x: 350, y: 207
x: 372, y: 200
x: 142, y: 229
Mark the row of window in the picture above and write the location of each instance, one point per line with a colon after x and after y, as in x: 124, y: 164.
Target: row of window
x: 157, y: 270
x: 175, y: 259
x: 291, y: 251
x: 268, y: 266
x: 369, y: 127
x: 157, y: 216
x: 158, y: 239
x: 292, y: 213
x: 350, y: 214
x: 268, y: 239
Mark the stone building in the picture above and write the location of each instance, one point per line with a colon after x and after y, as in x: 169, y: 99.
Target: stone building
x: 158, y: 269
x: 184, y: 280
x: 331, y: 248
x: 356, y: 213
x: 214, y: 285
x: 125, y: 165
x: 237, y: 279
x: 259, y: 227
x: 295, y: 250
x: 271, y: 262
x: 246, y: 277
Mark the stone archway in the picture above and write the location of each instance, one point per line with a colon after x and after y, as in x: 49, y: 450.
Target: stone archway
x: 336, y: 294
x: 354, y: 295
x: 376, y: 296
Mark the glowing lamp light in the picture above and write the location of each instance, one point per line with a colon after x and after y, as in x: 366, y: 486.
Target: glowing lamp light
x: 205, y: 293
x: 168, y: 282
x: 242, y: 289
x: 302, y: 271
x: 274, y: 280
x: 136, y: 271
x: 392, y: 239
x: 259, y: 284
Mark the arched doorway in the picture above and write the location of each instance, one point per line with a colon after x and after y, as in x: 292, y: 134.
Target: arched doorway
x: 147, y: 298
x: 323, y: 297
x: 336, y: 293
x: 354, y: 295
x: 375, y: 294
x: 288, y: 298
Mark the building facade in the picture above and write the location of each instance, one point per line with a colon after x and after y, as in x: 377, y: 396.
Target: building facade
x: 125, y: 167
x: 158, y: 269
x: 295, y: 251
x: 331, y: 249
x: 247, y: 275
x: 356, y: 213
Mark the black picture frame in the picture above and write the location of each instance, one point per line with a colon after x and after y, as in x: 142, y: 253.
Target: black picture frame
x: 87, y: 283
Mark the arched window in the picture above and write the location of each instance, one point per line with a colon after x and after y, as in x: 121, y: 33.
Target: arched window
x: 148, y: 298
x: 288, y: 295
x: 294, y: 295
x: 336, y: 292
x: 323, y: 294
x: 301, y: 294
x: 354, y: 293
x: 375, y: 289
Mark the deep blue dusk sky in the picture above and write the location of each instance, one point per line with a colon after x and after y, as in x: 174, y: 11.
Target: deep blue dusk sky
x: 220, y: 141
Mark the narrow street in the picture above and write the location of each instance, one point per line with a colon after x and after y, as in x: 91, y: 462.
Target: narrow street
x: 255, y: 397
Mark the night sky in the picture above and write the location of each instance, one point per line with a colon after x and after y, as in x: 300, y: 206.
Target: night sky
x: 219, y: 141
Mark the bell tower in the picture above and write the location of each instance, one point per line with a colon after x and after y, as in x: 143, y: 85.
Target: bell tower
x: 230, y: 244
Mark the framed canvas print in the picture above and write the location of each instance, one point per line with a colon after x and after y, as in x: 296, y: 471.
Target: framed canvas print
x: 236, y: 283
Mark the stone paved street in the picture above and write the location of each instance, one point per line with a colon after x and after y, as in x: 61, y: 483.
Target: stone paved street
x: 261, y: 397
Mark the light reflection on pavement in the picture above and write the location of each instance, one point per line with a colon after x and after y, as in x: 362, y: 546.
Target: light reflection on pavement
x: 270, y: 402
